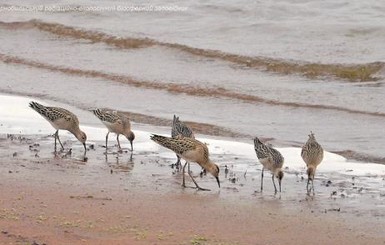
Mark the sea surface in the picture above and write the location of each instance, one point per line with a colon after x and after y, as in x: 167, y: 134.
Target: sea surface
x: 273, y: 69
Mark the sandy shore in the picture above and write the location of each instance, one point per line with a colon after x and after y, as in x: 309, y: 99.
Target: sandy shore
x: 122, y: 200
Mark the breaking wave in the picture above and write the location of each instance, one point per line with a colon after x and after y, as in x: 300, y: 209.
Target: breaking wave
x: 347, y: 72
x: 197, y: 91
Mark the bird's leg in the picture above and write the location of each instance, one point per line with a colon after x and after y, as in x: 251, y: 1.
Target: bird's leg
x: 312, y: 184
x: 307, y: 185
x: 275, y: 188
x: 58, y: 139
x: 198, y: 187
x: 117, y: 139
x: 131, y: 157
x: 178, y: 164
x: 107, y: 140
x: 132, y: 146
x: 262, y: 179
x: 55, y: 134
x: 183, y: 171
x: 203, y: 172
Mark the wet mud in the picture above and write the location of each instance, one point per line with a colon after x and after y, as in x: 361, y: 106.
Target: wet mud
x: 138, y: 199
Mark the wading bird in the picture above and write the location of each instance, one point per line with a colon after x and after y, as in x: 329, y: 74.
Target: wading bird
x: 190, y: 150
x: 270, y: 159
x: 61, y: 118
x: 312, y: 154
x: 117, y: 123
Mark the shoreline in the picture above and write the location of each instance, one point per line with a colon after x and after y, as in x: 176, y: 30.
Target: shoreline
x: 119, y: 199
x: 212, y: 130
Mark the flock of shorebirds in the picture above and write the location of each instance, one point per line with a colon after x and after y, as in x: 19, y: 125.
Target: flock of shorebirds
x: 182, y: 142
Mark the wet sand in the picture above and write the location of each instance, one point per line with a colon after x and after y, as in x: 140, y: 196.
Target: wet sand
x: 122, y: 200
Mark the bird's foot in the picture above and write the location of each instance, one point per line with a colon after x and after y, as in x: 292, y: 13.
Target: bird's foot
x: 197, y: 187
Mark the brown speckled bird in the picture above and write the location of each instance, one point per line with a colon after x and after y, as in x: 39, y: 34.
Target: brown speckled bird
x: 116, y: 123
x: 61, y: 118
x: 312, y: 154
x: 190, y: 150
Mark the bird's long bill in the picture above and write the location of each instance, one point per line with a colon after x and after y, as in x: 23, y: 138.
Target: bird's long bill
x: 219, y: 184
x: 279, y: 182
x: 85, y: 148
x: 132, y: 146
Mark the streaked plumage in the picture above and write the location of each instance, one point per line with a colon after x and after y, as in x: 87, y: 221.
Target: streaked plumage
x: 312, y: 154
x: 116, y: 123
x: 270, y: 159
x: 60, y: 118
x: 191, y: 150
x: 180, y: 128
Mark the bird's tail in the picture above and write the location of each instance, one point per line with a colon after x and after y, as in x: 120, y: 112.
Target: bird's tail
x: 257, y: 143
x: 174, y: 130
x: 167, y: 142
x: 98, y: 113
x: 176, y: 119
x: 39, y: 108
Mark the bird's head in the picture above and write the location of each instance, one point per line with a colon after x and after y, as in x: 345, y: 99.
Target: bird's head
x: 130, y: 136
x: 81, y: 136
x: 214, y: 170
